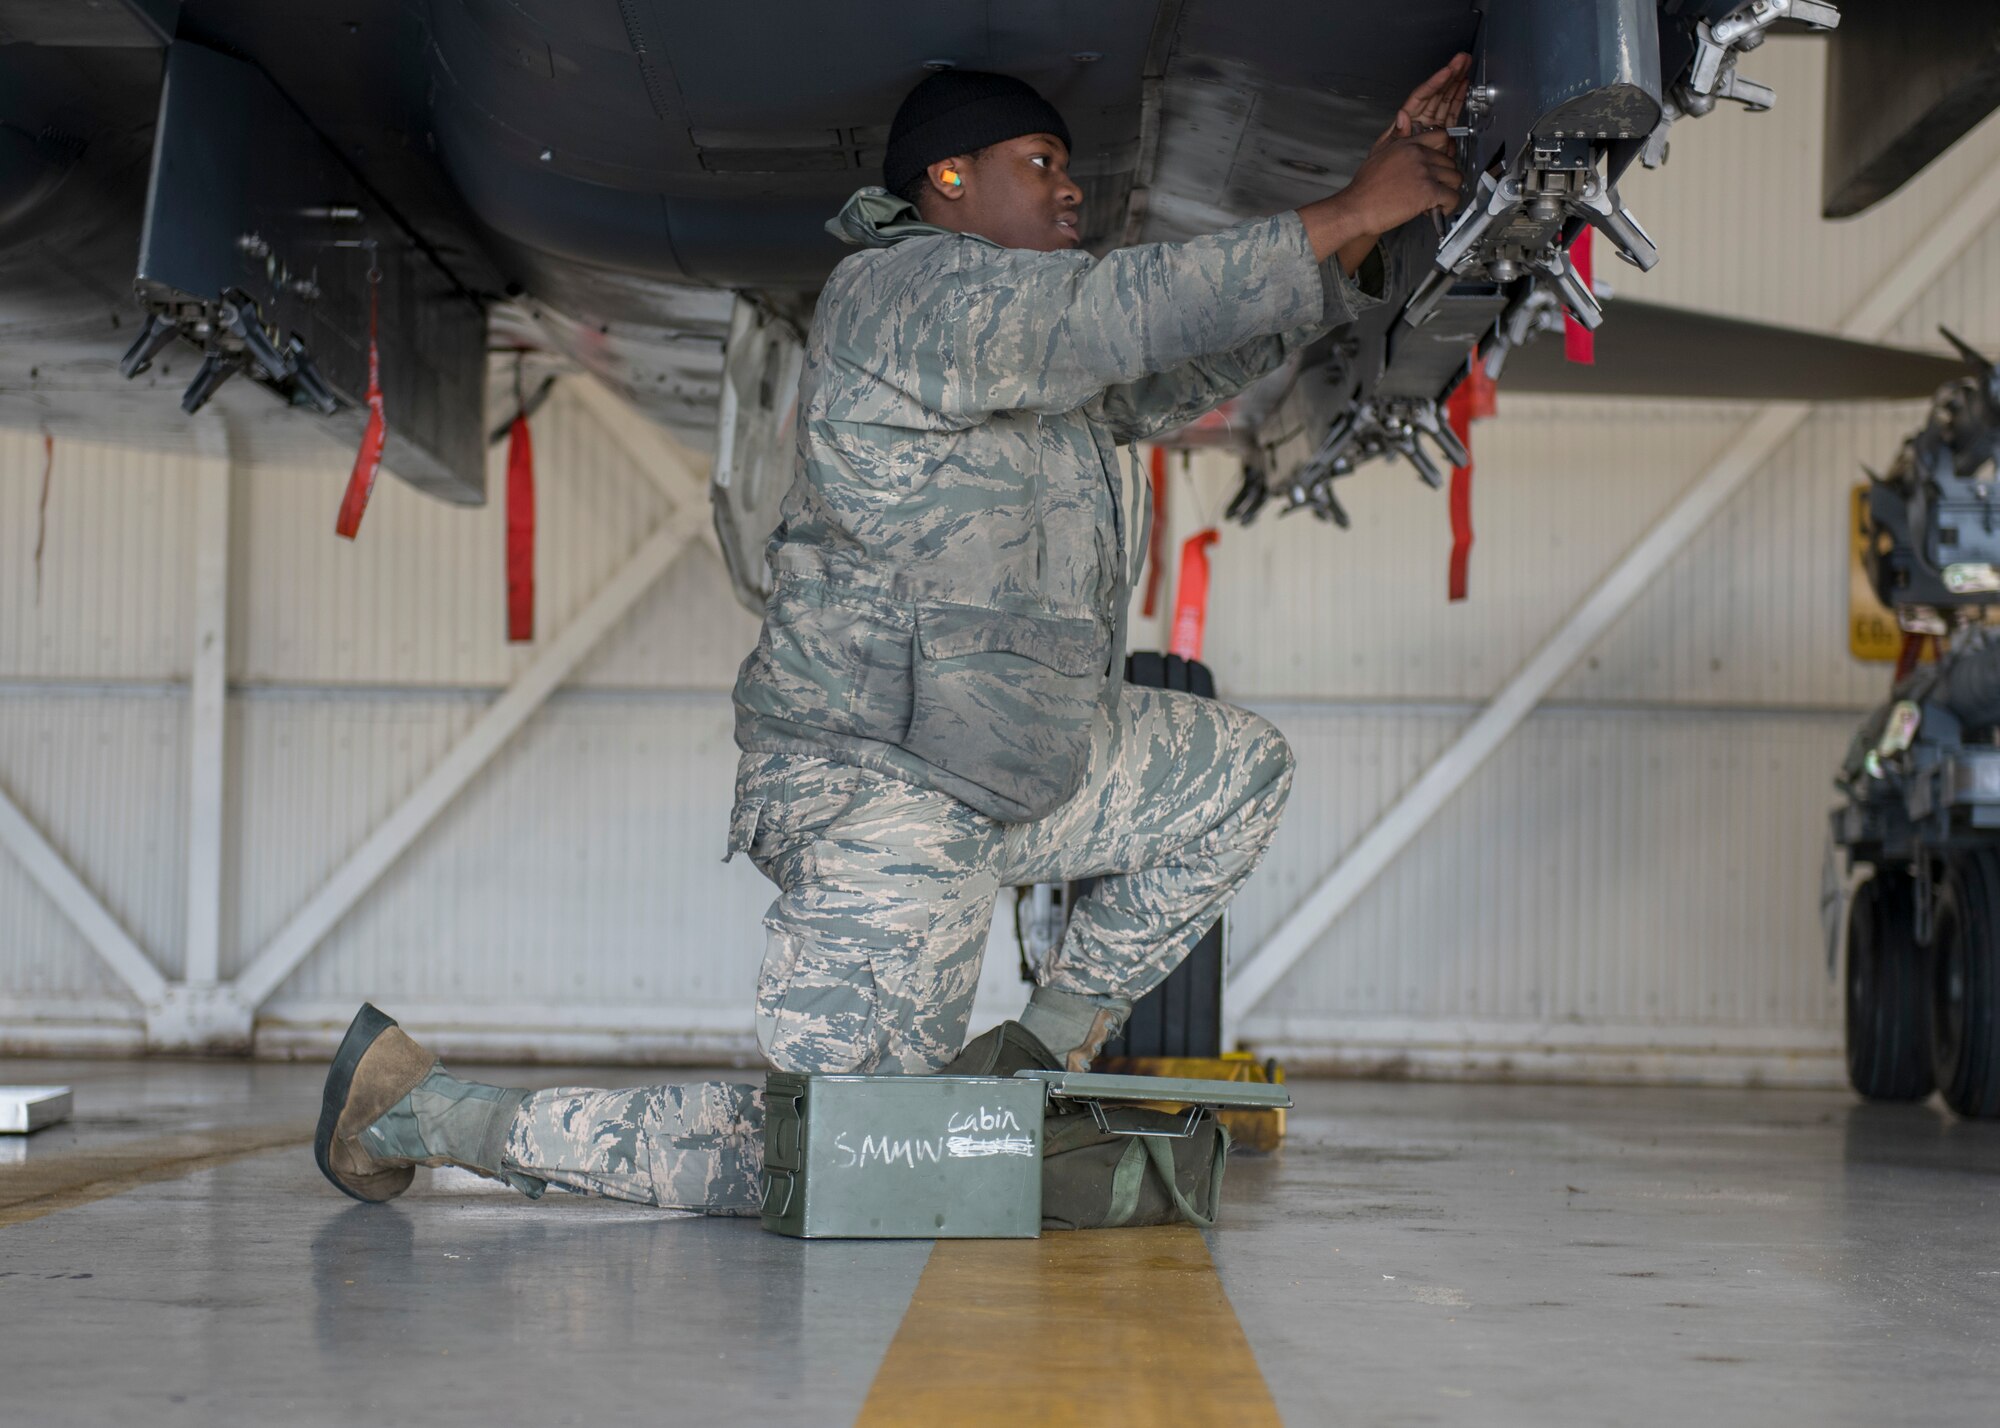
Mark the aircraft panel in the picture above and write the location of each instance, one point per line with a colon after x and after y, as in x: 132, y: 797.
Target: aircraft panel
x: 1904, y: 83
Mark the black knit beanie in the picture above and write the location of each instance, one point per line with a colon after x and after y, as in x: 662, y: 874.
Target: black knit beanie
x: 956, y: 111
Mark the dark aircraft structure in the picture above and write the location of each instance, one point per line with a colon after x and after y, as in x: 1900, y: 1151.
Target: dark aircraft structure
x: 229, y: 203
x: 1919, y: 821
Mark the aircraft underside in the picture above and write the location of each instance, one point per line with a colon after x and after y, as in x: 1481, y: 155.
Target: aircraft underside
x: 221, y: 204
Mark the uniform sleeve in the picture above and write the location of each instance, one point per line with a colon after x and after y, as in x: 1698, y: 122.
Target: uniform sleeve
x: 1166, y: 400
x: 1019, y: 331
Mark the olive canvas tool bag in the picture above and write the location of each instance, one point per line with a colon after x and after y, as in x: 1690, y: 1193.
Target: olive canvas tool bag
x: 1105, y: 1164
x: 1146, y: 1168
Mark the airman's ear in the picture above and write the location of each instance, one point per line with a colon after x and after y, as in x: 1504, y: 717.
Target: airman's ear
x: 947, y: 178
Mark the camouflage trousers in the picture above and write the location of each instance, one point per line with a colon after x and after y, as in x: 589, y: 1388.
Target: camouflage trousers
x: 886, y: 891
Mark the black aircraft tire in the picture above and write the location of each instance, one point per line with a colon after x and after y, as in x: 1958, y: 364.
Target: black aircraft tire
x: 1965, y: 985
x: 1888, y: 993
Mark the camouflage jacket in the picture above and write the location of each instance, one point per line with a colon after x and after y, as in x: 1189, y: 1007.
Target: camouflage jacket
x: 953, y: 559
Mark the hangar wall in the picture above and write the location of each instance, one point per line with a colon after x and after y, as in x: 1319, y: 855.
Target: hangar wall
x: 352, y: 670
x: 1628, y: 889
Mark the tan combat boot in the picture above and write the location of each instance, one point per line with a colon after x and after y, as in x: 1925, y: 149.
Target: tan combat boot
x: 390, y: 1106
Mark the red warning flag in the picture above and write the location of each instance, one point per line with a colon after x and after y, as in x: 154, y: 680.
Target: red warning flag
x: 1191, y: 596
x: 520, y: 533
x: 1910, y: 655
x: 368, y: 460
x: 1474, y: 397
x: 1579, y: 342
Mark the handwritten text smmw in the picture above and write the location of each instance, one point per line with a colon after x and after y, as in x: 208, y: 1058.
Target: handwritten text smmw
x: 971, y: 1134
x: 908, y: 1152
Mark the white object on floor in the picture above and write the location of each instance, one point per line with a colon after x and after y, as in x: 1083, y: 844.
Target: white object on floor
x: 29, y: 1108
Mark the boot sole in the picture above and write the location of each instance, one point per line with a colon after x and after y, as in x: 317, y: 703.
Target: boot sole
x: 368, y: 1024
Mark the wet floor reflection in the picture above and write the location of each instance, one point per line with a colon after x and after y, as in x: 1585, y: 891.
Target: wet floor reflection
x: 577, y: 1282
x: 1415, y: 1253
x: 1921, y: 1137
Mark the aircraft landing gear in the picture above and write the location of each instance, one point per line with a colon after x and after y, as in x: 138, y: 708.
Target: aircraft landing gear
x: 1965, y: 984
x: 1888, y: 995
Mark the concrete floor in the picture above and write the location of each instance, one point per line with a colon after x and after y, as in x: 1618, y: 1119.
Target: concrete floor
x: 1416, y: 1254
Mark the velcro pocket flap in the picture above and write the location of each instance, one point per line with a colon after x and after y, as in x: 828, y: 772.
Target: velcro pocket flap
x: 1004, y: 703
x: 1073, y: 647
x: 743, y: 826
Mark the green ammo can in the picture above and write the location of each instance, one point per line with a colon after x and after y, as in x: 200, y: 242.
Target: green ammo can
x: 902, y: 1157
x: 942, y: 1157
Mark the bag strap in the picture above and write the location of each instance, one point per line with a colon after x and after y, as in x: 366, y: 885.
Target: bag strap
x: 1163, y: 1161
x: 1126, y: 1182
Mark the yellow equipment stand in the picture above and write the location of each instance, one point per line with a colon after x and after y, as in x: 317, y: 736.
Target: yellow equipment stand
x: 1249, y: 1129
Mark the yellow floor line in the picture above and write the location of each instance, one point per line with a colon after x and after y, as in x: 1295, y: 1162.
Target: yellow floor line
x: 1086, y: 1328
x: 44, y: 1184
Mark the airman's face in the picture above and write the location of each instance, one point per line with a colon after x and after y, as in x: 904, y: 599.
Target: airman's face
x: 1017, y: 193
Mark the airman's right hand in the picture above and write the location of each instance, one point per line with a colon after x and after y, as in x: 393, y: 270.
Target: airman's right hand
x: 1405, y: 176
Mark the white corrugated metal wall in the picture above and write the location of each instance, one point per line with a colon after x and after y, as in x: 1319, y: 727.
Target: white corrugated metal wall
x: 574, y: 888
x: 1628, y: 888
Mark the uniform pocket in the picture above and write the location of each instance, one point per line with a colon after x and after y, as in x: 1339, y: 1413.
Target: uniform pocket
x: 793, y: 818
x: 743, y: 826
x: 1005, y: 702
x: 832, y: 660
x: 817, y: 1002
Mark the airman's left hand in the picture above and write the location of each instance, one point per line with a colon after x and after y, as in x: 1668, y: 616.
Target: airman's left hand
x: 1434, y: 104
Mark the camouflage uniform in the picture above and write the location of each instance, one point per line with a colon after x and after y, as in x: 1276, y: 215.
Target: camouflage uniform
x: 951, y: 567
x: 934, y: 709
x: 692, y: 1147
x: 874, y: 942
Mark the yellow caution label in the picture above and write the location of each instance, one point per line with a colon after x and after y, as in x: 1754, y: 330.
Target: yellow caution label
x: 1871, y: 626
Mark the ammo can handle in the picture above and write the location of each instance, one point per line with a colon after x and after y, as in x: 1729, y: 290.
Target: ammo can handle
x: 770, y: 1184
x: 1187, y: 1126
x: 776, y: 1151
